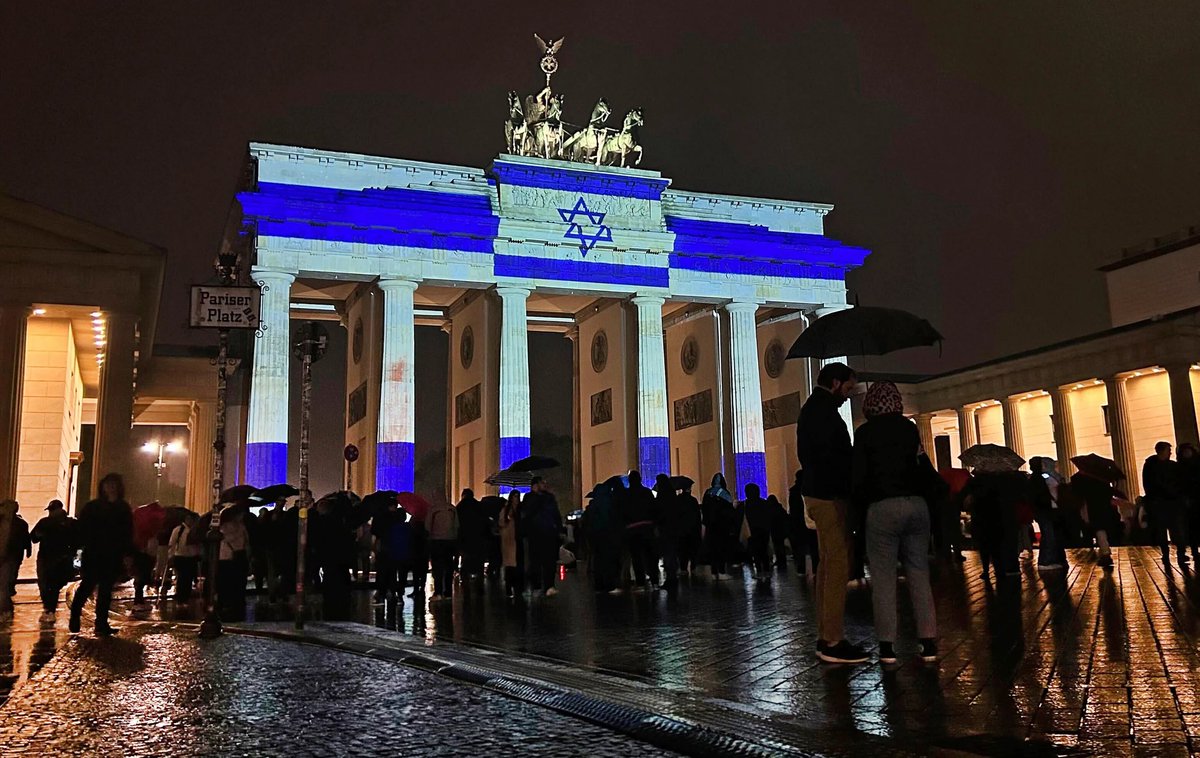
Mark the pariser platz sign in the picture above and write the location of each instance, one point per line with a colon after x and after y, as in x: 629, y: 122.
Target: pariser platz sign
x: 225, y: 307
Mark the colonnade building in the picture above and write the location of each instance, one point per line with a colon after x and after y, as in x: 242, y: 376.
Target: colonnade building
x: 1115, y: 393
x: 681, y: 306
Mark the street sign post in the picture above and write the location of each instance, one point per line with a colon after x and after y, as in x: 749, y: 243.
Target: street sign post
x: 351, y: 455
x: 309, y: 347
x: 224, y: 307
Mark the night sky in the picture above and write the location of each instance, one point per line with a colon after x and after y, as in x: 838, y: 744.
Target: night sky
x: 991, y: 154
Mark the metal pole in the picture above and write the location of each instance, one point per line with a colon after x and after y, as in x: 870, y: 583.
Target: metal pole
x: 218, y: 479
x: 158, y: 469
x: 305, y: 494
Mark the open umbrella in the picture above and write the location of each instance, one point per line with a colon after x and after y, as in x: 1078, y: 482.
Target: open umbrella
x: 274, y: 493
x: 681, y: 482
x: 989, y: 457
x: 510, y: 478
x: 1098, y: 466
x: 863, y: 331
x: 416, y: 505
x: 533, y: 463
x: 237, y: 493
x: 378, y: 502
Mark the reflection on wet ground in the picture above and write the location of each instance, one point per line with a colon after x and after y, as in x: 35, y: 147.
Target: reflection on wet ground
x: 1069, y: 658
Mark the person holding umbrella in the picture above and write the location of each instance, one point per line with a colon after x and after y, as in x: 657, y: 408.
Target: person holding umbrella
x: 997, y: 485
x: 825, y: 453
x: 510, y: 544
x: 541, y: 523
x: 1094, y: 485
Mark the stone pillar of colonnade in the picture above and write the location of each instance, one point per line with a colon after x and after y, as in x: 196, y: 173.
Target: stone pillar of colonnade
x: 654, y: 444
x: 267, y: 423
x: 13, y: 320
x: 925, y: 429
x: 514, y: 375
x: 749, y: 455
x: 1012, y: 426
x: 114, y: 408
x: 1064, y: 428
x: 1183, y: 403
x: 394, y: 457
x: 968, y: 433
x: 1121, y: 433
x: 202, y: 430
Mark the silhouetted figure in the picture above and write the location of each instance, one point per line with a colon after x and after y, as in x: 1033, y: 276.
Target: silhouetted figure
x: 473, y: 530
x: 541, y: 523
x: 57, y: 536
x: 106, y: 535
x: 1162, y: 479
x: 640, y: 512
x: 511, y: 554
x: 442, y: 524
x: 803, y: 537
x: 760, y: 518
x: 719, y: 526
x: 605, y: 530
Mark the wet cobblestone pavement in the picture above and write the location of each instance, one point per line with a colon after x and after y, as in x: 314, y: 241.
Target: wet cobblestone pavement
x: 1088, y: 662
x: 154, y: 690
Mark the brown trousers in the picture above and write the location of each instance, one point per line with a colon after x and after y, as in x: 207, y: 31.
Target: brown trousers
x: 833, y: 572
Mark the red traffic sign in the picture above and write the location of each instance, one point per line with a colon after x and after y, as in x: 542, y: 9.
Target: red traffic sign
x: 350, y: 453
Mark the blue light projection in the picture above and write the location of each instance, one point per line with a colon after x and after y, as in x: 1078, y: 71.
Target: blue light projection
x: 581, y: 271
x: 395, y: 466
x: 266, y: 463
x: 579, y: 181
x: 575, y: 231
x: 750, y: 468
x: 654, y: 456
x: 723, y: 247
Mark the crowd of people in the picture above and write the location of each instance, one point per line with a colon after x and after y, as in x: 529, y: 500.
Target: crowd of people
x: 875, y: 500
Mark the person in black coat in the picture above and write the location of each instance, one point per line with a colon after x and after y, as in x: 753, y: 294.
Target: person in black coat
x: 992, y: 498
x: 669, y: 520
x: 58, y: 537
x: 640, y: 516
x: 804, y: 539
x: 719, y: 524
x: 1162, y: 479
x: 473, y: 530
x: 1189, y: 465
x: 760, y: 518
x: 780, y: 529
x: 541, y: 523
x: 690, y: 529
x: 106, y: 532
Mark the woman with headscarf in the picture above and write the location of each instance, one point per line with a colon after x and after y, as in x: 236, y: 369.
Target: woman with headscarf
x: 719, y: 526
x: 889, y: 475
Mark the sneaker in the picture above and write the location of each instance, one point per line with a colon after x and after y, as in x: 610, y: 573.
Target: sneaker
x: 74, y: 624
x: 551, y: 592
x: 887, y: 652
x: 1051, y: 567
x: 1105, y: 561
x: 1183, y: 559
x: 843, y: 652
x: 929, y: 652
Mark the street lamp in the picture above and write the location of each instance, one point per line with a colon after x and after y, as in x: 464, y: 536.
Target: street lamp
x: 160, y: 449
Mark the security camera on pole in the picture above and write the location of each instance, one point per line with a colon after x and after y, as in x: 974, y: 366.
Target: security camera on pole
x: 309, y: 347
x: 222, y: 306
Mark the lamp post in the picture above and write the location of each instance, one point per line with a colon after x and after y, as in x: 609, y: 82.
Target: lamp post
x: 160, y: 464
x: 309, y: 347
x: 223, y: 306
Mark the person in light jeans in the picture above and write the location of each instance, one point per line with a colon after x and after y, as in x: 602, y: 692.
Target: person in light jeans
x: 890, y: 474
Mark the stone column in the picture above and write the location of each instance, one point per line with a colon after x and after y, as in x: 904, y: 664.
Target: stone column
x: 395, y: 464
x: 749, y: 455
x: 1064, y: 428
x: 1012, y: 426
x: 202, y: 426
x: 925, y: 429
x: 12, y: 380
x: 1121, y: 434
x: 968, y: 435
x: 514, y: 375
x: 654, y: 442
x: 267, y: 423
x: 1183, y: 404
x: 114, y: 407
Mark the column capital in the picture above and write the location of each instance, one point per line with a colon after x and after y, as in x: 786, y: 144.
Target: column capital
x: 397, y: 283
x: 272, y: 276
x: 742, y: 306
x: 925, y: 416
x: 648, y: 300
x: 513, y: 291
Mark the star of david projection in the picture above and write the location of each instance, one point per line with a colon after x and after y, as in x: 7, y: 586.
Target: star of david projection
x: 575, y: 231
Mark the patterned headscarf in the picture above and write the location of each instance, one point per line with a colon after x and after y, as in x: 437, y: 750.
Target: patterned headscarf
x: 882, y: 398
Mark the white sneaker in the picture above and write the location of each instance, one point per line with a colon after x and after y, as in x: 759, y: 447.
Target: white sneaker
x: 723, y: 577
x: 617, y: 591
x: 551, y: 592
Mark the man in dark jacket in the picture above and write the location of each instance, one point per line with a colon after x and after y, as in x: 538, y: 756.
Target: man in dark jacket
x: 58, y: 537
x: 825, y: 452
x: 1162, y: 479
x: 1189, y: 464
x: 473, y: 529
x: 106, y: 532
x: 541, y: 523
x: 640, y: 515
x: 760, y: 518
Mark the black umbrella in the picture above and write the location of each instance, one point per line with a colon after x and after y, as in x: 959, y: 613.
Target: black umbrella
x: 1098, y: 466
x: 681, y: 482
x: 510, y: 478
x: 274, y: 492
x: 533, y: 463
x: 863, y: 331
x: 378, y: 502
x: 238, y: 493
